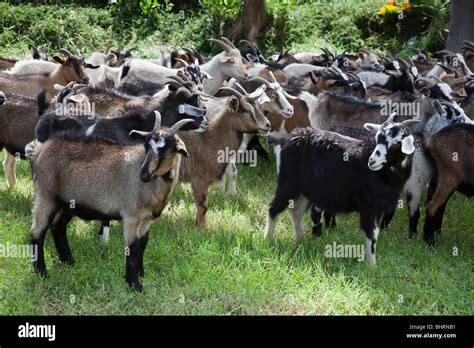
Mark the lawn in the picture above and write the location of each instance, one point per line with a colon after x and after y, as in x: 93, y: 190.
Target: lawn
x: 227, y: 268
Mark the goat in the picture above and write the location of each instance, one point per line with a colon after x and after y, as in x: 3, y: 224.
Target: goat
x: 222, y: 66
x: 206, y: 162
x: 402, y: 79
x: 32, y: 67
x: 18, y: 119
x: 136, y: 182
x: 274, y: 100
x: 423, y: 167
x: 69, y: 69
x: 174, y: 106
x: 174, y: 98
x: 451, y: 150
x: 352, y: 175
x: 36, y: 54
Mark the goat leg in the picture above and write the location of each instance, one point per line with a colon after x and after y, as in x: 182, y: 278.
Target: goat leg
x: 297, y: 213
x: 368, y: 224
x: 329, y: 220
x: 132, y: 254
x: 316, y: 215
x: 104, y: 231
x: 44, y: 211
x: 9, y: 168
x: 200, y: 194
x: 59, y: 232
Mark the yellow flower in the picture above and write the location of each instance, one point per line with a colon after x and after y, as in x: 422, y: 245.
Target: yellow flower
x: 389, y: 8
x: 405, y: 5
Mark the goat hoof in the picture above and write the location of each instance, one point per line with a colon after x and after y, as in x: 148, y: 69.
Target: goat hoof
x: 68, y: 261
x: 136, y: 286
x: 42, y: 272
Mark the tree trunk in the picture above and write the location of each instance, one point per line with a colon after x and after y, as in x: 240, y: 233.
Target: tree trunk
x: 252, y: 20
x: 461, y: 25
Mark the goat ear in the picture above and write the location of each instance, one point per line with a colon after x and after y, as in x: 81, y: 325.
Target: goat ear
x: 408, y: 145
x: 136, y: 134
x: 263, y: 99
x: 205, y: 75
x: 59, y: 60
x: 425, y: 91
x: 233, y: 104
x: 251, y: 58
x: 181, y: 148
x: 226, y: 59
x: 58, y: 87
x: 372, y: 127
x: 78, y: 98
x: 90, y: 66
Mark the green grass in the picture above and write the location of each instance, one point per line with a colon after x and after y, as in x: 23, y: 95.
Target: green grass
x: 227, y: 267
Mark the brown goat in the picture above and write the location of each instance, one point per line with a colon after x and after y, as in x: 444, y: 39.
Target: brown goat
x: 69, y: 69
x: 135, y: 184
x: 451, y: 149
x: 223, y: 135
x: 18, y: 118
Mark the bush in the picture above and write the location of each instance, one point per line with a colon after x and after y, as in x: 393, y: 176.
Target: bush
x: 149, y: 24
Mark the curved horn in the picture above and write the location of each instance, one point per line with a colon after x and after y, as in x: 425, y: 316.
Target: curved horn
x: 232, y: 91
x: 391, y: 117
x: 33, y: 47
x: 184, y: 91
x: 446, y: 52
x: 242, y: 89
x: 175, y: 84
x: 182, y: 61
x: 65, y: 52
x: 180, y: 124
x: 274, y: 80
x: 288, y: 95
x: 227, y: 41
x: 259, y: 79
x: 157, y: 125
x: 404, y: 63
x: 469, y: 43
x: 246, y: 42
x: 221, y: 44
x: 179, y: 79
x: 446, y: 68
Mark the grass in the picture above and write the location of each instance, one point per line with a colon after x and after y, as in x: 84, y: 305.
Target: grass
x: 228, y: 269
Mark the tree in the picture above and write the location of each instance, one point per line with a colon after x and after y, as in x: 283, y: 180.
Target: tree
x: 461, y: 25
x: 252, y: 20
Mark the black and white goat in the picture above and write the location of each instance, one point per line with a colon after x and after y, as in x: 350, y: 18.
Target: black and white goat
x: 340, y: 174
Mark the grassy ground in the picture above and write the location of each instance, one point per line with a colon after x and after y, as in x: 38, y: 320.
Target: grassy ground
x: 227, y: 267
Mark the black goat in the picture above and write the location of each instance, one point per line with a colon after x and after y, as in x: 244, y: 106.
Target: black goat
x: 341, y: 174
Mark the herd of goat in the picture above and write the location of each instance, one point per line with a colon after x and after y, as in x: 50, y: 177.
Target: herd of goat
x: 108, y: 137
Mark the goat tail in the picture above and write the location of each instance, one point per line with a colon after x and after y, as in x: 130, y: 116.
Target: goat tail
x: 42, y: 103
x: 32, y: 150
x: 275, y: 139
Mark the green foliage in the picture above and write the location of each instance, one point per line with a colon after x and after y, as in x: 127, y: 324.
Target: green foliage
x: 54, y: 26
x: 293, y: 24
